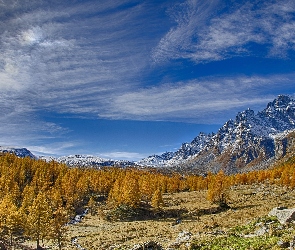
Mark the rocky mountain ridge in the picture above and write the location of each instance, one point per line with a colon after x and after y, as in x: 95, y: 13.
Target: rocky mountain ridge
x: 248, y: 142
x: 185, y: 152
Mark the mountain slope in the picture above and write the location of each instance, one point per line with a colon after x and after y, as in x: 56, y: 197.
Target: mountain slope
x: 185, y: 152
x: 245, y: 143
x: 20, y: 152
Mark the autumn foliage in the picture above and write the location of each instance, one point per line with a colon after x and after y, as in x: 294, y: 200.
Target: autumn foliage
x: 38, y: 198
x: 217, y: 189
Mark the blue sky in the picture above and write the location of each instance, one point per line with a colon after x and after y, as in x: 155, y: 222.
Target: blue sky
x: 126, y: 79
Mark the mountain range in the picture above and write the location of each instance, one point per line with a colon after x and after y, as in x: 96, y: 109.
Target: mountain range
x: 248, y: 142
x: 88, y: 161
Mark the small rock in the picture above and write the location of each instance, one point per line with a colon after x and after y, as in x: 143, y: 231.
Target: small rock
x: 261, y: 231
x: 176, y: 222
x: 183, y: 237
x: 284, y: 215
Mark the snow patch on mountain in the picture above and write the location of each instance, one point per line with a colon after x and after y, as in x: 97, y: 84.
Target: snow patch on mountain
x: 186, y: 151
x: 20, y: 152
x: 88, y: 161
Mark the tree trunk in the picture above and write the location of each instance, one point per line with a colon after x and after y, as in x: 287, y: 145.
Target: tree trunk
x: 59, y: 243
x: 38, y: 243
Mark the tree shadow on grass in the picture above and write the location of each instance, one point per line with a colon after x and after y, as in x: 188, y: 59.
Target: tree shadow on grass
x: 126, y: 213
x: 244, y: 206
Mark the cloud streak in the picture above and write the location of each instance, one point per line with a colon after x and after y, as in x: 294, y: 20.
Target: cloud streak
x: 202, y: 36
x: 59, y: 61
x: 67, y: 58
x: 201, y: 101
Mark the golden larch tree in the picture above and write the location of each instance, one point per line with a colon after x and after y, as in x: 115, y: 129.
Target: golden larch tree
x: 157, y: 199
x: 39, y: 219
x: 130, y: 190
x: 58, y: 226
x: 218, y: 189
x: 10, y: 218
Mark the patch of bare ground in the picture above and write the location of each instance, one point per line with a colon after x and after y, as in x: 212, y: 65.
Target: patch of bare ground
x: 183, y: 212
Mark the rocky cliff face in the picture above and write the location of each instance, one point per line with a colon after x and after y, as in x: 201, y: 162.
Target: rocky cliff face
x: 284, y: 144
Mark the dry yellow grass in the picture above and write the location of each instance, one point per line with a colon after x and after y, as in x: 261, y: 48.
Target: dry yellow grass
x: 247, y: 202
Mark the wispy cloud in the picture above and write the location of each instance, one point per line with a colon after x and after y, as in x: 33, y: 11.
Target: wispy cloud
x: 202, y: 101
x: 25, y: 130
x: 54, y: 59
x: 202, y: 36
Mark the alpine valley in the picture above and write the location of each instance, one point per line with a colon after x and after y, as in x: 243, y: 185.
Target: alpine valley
x: 249, y: 142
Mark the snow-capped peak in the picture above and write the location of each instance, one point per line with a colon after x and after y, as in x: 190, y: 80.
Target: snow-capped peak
x: 20, y: 152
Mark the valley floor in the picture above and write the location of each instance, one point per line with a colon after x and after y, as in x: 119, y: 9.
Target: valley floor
x: 192, y: 216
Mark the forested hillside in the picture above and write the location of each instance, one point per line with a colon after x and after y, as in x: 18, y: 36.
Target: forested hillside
x: 39, y: 198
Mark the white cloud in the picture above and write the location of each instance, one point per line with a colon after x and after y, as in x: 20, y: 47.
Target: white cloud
x: 56, y: 60
x: 31, y: 36
x: 202, y: 36
x: 53, y: 149
x: 50, y: 57
x: 23, y: 130
x: 190, y: 17
x: 201, y: 101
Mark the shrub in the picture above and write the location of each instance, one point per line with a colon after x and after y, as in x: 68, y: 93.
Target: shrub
x: 122, y: 213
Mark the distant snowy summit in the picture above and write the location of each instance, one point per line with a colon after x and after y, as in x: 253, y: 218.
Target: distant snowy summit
x: 71, y: 160
x: 184, y: 153
x: 20, y: 152
x: 88, y: 161
x: 93, y: 161
x: 248, y: 142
